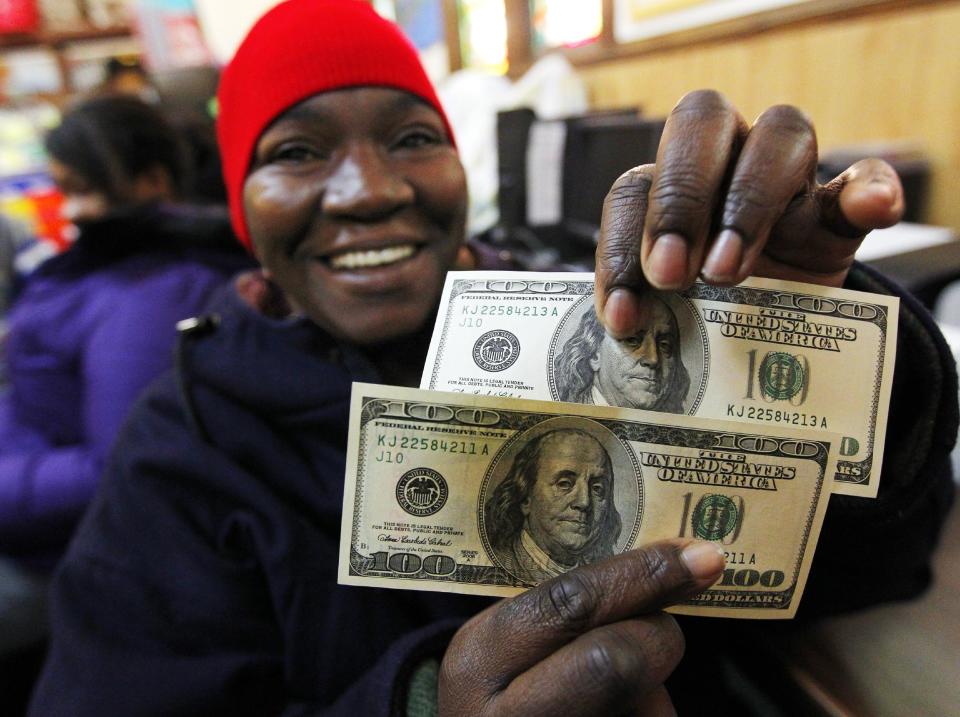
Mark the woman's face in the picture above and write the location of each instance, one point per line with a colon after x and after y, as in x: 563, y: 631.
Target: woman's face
x: 356, y: 205
x: 85, y: 203
x: 82, y: 202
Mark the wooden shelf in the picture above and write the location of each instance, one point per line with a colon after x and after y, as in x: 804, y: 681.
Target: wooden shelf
x: 59, y: 38
x: 57, y: 42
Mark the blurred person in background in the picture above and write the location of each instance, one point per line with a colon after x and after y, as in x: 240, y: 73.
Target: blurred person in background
x: 91, y: 328
x: 126, y: 75
x: 205, y: 185
x: 203, y: 181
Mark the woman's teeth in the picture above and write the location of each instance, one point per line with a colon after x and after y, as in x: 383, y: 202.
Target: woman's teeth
x: 372, y: 257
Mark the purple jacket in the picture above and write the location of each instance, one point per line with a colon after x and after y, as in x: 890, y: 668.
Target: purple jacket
x: 90, y: 330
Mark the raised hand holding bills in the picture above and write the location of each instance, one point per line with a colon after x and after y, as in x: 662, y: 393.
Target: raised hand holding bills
x: 743, y: 408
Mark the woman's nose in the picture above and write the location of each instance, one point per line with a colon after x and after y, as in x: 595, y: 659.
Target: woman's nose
x: 364, y: 185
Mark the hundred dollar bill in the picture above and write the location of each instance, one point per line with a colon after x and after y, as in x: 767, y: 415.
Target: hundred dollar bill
x: 768, y: 352
x: 488, y: 496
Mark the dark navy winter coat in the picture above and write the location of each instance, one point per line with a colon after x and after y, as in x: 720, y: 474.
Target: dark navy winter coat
x: 204, y: 578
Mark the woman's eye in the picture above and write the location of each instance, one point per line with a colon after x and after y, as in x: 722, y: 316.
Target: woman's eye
x: 295, y: 153
x: 417, y: 139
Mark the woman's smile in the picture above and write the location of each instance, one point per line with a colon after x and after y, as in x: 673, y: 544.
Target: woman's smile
x: 371, y: 258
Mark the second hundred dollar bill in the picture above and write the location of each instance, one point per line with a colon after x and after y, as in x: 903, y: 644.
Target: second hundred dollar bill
x: 488, y: 496
x: 768, y: 352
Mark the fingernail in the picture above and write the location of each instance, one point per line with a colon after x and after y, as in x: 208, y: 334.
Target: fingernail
x: 666, y: 265
x: 620, y: 312
x: 726, y: 255
x: 704, y: 559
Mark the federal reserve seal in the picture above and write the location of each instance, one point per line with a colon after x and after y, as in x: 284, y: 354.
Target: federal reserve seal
x: 496, y: 350
x: 421, y: 491
x: 781, y: 376
x: 714, y: 517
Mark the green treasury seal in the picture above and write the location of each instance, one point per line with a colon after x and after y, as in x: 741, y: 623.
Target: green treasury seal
x: 781, y: 376
x: 714, y: 517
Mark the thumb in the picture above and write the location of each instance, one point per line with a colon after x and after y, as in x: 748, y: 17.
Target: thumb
x: 866, y: 196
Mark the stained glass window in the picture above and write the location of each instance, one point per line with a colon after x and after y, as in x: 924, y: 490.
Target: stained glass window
x: 562, y: 23
x: 483, y: 34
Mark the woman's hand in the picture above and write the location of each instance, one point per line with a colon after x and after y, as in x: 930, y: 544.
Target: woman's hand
x: 725, y: 201
x: 590, y: 642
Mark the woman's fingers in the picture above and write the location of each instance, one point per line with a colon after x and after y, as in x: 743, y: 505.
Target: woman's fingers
x: 657, y: 219
x: 707, y: 206
x: 725, y: 202
x: 510, y: 638
x: 817, y: 237
x: 701, y: 140
x: 871, y: 197
x: 611, y: 670
x: 777, y: 163
x: 619, y: 271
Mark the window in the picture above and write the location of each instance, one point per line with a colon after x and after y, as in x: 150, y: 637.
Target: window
x: 561, y: 23
x: 483, y: 34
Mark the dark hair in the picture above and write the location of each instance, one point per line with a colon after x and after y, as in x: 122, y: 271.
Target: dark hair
x: 120, y: 65
x: 503, y: 515
x: 204, y: 183
x: 111, y: 140
x: 574, y: 374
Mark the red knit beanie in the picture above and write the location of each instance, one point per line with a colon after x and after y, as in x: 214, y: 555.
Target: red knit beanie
x: 296, y: 50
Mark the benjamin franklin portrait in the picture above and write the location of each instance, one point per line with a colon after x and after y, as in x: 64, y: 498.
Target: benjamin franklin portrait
x: 644, y: 370
x: 555, y: 509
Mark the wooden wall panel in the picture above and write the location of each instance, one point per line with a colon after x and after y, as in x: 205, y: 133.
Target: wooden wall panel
x: 885, y: 76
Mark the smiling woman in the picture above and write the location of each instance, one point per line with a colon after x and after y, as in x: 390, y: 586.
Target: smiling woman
x: 356, y: 203
x: 343, y: 176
